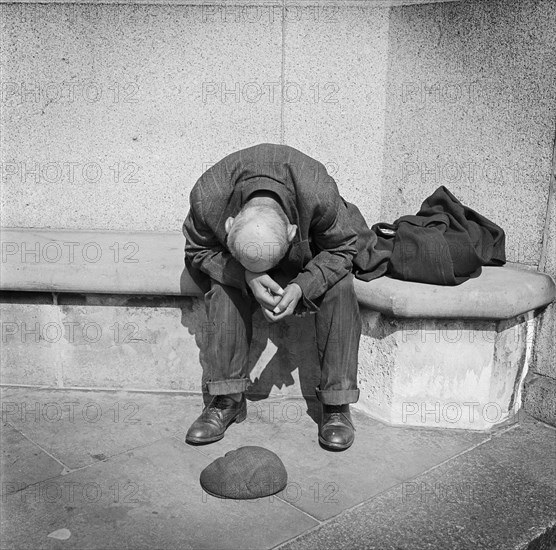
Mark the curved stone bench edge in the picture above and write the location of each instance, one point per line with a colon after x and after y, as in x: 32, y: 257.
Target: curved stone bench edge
x: 499, y: 293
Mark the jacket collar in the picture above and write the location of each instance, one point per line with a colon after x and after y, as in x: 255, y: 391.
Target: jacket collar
x: 261, y: 183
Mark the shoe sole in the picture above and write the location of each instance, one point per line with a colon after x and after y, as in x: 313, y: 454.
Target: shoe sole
x: 334, y: 446
x: 201, y: 441
x: 239, y: 418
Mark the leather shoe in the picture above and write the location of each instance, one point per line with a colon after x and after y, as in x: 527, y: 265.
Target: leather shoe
x: 337, y: 431
x: 215, y: 419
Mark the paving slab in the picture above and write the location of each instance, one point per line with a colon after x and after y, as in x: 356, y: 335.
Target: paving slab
x: 145, y: 498
x: 8, y: 391
x: 22, y: 462
x: 539, y: 397
x: 80, y: 428
x: 499, y: 495
x: 138, y: 482
x: 324, y: 483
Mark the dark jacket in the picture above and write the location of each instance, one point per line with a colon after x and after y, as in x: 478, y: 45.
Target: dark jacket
x: 324, y: 246
x: 445, y: 243
x: 333, y: 238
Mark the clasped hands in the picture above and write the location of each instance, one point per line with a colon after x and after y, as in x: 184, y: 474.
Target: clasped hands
x: 276, y: 302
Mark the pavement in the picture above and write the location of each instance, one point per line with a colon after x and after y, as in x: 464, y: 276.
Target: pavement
x: 103, y: 470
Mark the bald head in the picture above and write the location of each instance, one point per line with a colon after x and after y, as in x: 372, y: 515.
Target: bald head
x: 259, y: 236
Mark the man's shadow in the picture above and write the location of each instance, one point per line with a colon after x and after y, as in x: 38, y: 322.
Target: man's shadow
x: 277, y: 349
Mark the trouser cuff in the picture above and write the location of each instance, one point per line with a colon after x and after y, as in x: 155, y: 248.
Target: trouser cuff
x: 226, y: 387
x: 337, y: 397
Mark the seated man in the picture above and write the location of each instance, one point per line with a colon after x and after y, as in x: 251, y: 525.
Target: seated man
x: 268, y: 227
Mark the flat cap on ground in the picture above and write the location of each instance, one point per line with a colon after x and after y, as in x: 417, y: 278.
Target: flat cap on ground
x: 247, y: 472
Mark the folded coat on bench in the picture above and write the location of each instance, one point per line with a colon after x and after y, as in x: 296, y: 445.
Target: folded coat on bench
x: 445, y: 243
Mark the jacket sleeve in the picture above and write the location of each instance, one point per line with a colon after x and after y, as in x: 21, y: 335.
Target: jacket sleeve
x: 335, y: 241
x: 206, y: 253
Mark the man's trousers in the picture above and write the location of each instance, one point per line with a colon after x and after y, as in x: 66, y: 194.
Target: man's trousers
x: 230, y: 330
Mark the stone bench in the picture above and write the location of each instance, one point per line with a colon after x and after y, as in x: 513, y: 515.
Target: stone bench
x: 452, y: 357
x: 449, y: 356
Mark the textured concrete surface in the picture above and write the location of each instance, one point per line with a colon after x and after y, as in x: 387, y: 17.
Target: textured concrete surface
x: 471, y: 105
x: 544, y: 361
x: 111, y: 347
x: 539, y: 394
x: 335, y: 60
x: 439, y: 373
x: 129, y: 104
x: 545, y: 353
x: 149, y: 342
x: 539, y: 398
x: 131, y: 480
x: 499, y: 496
x: 145, y: 498
x: 443, y: 373
x: 119, y: 342
x: 327, y: 483
x: 122, y: 107
x: 484, y: 126
x: 498, y: 293
x: 93, y: 261
x: 25, y: 357
x: 23, y: 463
x: 86, y: 427
x: 152, y: 263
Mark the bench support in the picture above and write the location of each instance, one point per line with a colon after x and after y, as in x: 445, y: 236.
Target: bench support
x: 444, y: 373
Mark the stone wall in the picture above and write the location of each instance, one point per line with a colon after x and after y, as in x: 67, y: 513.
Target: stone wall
x: 472, y: 106
x: 118, y: 108
x: 540, y: 387
x: 111, y: 112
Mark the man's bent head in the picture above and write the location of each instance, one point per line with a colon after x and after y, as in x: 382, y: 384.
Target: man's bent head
x: 259, y: 236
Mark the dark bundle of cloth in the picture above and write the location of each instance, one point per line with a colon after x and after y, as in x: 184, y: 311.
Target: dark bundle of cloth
x: 445, y: 243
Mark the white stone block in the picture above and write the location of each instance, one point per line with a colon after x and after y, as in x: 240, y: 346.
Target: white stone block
x: 443, y: 373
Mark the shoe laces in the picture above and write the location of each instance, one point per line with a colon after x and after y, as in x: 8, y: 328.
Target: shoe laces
x: 222, y: 402
x: 336, y: 412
